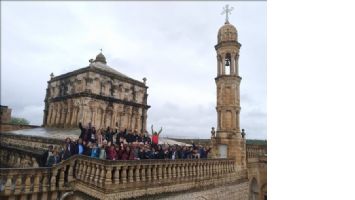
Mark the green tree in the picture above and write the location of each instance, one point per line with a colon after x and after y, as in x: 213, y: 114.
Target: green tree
x: 19, y: 121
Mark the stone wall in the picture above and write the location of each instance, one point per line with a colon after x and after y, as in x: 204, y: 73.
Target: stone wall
x: 18, y: 158
x: 257, y: 175
x: 5, y: 114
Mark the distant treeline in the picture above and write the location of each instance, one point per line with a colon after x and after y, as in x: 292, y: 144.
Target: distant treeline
x: 208, y: 141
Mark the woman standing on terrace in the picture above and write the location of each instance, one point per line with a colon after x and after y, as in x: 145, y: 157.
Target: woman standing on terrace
x: 155, y: 135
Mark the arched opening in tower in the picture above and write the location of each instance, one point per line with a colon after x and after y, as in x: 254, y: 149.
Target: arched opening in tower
x: 227, y: 64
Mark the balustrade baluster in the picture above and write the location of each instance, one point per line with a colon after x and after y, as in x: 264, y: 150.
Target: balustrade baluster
x: 92, y: 173
x: 182, y: 170
x: 85, y: 167
x: 102, y: 175
x: 137, y: 173
x: 88, y: 172
x: 154, y: 174
x: 218, y: 168
x: 173, y: 170
x: 8, y: 185
x: 70, y: 172
x: 130, y: 174
x: 45, y: 183
x: 212, y: 168
x: 169, y: 171
x: 143, y: 172
x: 18, y: 184
x: 27, y: 186
x: 53, y: 179
x: 61, y: 177
x: 108, y: 177
x: 188, y: 170
x: 229, y: 167
x: 116, y: 175
x: 149, y: 173
x: 163, y: 171
x: 80, y: 170
x: 226, y: 167
x: 36, y: 182
x: 124, y: 174
x: 178, y: 171
x: 196, y: 164
x: 97, y: 174
x: 160, y: 172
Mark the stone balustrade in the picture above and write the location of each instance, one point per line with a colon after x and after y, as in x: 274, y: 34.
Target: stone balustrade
x: 115, y: 177
x: 254, y: 151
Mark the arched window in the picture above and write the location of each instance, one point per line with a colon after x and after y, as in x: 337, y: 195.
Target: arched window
x: 254, y: 190
x: 228, y: 63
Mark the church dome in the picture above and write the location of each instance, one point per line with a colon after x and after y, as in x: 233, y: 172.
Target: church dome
x: 100, y: 58
x: 227, y: 33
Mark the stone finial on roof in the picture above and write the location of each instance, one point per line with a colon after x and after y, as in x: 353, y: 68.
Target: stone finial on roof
x: 100, y: 58
x: 51, y: 75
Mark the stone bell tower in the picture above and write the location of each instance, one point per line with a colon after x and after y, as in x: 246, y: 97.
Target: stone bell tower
x: 228, y: 141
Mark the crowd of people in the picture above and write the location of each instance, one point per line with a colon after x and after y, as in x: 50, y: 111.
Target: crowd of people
x: 123, y: 144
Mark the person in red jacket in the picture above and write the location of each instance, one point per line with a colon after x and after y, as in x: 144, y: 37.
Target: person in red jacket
x: 111, y: 153
x: 155, y: 136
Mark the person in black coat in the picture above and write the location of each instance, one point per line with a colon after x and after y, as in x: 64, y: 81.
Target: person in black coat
x: 84, y: 133
x: 69, y: 149
x: 45, y: 156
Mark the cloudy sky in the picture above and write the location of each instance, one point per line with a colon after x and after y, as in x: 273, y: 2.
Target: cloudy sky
x: 170, y: 43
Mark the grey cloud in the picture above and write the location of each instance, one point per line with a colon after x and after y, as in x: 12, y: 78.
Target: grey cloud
x: 170, y: 43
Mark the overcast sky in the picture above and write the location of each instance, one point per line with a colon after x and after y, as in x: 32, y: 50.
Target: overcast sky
x: 169, y: 43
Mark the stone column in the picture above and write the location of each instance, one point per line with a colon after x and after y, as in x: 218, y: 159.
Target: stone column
x: 232, y: 67
x: 237, y: 64
x: 223, y: 65
x: 49, y: 116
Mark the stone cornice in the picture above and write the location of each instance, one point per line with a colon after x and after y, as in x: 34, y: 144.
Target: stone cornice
x: 228, y: 43
x: 99, y: 97
x: 99, y: 71
x: 228, y: 77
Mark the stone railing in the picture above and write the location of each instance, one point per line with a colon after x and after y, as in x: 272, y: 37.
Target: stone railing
x: 117, y: 179
x: 18, y: 157
x: 46, y: 183
x: 29, y: 142
x: 254, y: 151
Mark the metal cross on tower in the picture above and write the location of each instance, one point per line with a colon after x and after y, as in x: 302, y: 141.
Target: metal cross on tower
x: 227, y: 10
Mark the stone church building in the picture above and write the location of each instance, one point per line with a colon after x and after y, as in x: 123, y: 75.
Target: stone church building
x: 98, y: 94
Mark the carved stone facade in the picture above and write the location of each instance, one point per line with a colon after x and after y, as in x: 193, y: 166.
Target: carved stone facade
x: 98, y: 94
x: 228, y: 141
